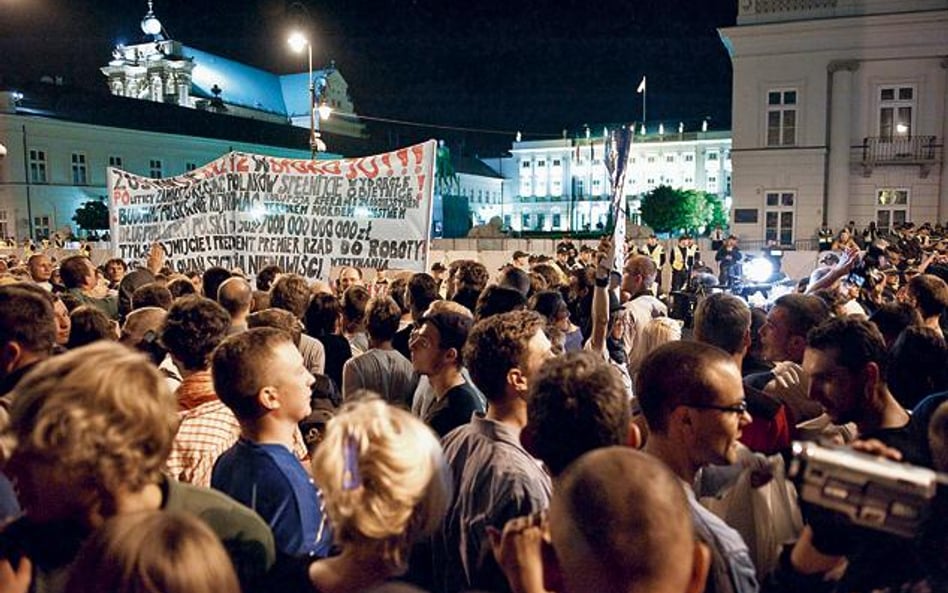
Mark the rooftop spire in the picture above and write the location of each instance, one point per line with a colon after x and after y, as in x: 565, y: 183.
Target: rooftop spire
x: 151, y: 25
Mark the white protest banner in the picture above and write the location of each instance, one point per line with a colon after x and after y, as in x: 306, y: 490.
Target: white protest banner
x: 249, y: 211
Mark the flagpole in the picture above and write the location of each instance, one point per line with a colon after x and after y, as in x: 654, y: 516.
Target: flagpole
x: 643, y: 89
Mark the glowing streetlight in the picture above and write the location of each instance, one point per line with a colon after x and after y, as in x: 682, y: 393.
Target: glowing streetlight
x: 297, y: 41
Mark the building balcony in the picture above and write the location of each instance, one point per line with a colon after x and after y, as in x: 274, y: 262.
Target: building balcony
x: 921, y: 151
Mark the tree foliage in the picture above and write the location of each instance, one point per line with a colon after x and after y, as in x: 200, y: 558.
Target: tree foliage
x: 718, y: 213
x: 669, y: 210
x: 92, y: 215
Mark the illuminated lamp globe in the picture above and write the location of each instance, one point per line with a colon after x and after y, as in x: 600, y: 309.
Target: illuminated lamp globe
x: 759, y: 270
x: 324, y: 111
x: 151, y: 25
x: 297, y: 42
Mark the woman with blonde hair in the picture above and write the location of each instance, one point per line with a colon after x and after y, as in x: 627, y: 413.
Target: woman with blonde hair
x: 386, y: 487
x: 166, y: 551
x: 659, y: 330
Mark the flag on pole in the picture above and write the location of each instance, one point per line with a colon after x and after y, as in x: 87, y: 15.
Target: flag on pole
x: 618, y: 153
x: 641, y: 87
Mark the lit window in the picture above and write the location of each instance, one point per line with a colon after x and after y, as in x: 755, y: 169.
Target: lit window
x: 896, y: 106
x: 892, y: 208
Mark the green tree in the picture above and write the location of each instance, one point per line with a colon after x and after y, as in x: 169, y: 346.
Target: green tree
x: 92, y: 215
x: 718, y: 213
x: 668, y: 210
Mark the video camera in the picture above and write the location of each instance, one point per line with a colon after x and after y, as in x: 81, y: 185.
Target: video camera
x: 870, y: 491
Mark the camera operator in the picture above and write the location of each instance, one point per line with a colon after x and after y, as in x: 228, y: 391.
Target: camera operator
x: 729, y: 257
x: 846, y: 360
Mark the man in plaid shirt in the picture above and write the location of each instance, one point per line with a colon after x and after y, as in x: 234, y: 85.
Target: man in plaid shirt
x: 193, y: 328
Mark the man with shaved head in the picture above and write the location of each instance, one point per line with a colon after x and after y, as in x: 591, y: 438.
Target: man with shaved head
x: 236, y: 296
x: 143, y: 325
x: 637, y: 279
x: 619, y: 522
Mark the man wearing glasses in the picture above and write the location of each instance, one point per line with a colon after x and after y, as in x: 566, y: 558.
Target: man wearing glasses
x: 693, y: 399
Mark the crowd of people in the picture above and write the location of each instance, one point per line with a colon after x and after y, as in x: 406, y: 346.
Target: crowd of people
x: 547, y: 427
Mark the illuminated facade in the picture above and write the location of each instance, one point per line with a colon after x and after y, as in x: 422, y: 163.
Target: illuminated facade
x: 60, y: 144
x: 167, y: 71
x: 562, y: 185
x: 171, y: 111
x: 840, y: 112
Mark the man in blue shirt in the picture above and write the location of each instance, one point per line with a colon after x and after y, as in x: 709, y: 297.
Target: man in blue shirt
x: 259, y: 374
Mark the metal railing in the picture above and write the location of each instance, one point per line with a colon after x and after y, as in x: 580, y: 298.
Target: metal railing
x: 797, y: 245
x: 909, y: 150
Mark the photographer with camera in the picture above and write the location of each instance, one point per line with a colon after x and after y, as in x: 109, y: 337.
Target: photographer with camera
x: 729, y: 257
x: 846, y: 361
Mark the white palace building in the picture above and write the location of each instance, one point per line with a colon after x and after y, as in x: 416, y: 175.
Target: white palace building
x: 563, y: 185
x: 171, y: 110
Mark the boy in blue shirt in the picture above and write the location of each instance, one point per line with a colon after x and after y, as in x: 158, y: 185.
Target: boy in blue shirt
x: 259, y: 374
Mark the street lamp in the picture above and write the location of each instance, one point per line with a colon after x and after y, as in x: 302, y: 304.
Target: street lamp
x: 297, y: 42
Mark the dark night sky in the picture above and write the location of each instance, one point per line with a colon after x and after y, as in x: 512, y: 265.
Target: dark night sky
x: 532, y: 65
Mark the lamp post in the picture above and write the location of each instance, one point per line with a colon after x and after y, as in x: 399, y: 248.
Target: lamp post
x: 297, y: 42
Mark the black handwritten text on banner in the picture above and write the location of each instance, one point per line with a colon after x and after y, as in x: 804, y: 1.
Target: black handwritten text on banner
x: 249, y: 211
